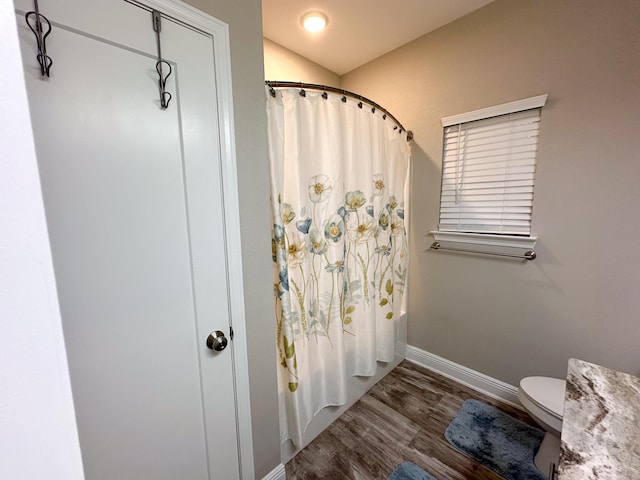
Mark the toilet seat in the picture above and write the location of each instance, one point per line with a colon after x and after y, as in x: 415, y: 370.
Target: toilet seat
x: 543, y: 397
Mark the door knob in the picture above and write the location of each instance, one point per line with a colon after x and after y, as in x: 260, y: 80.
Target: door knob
x: 217, y: 341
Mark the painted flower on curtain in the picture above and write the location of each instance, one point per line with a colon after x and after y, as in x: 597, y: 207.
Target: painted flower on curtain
x: 319, y: 188
x: 378, y: 184
x: 296, y: 250
x: 317, y: 245
x: 354, y: 200
x: 334, y: 263
x: 287, y: 214
x: 334, y: 229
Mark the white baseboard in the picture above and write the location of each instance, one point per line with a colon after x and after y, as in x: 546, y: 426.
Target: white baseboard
x: 277, y: 473
x: 478, y: 381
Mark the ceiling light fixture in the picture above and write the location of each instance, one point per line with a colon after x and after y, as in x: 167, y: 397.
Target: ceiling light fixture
x: 314, y: 21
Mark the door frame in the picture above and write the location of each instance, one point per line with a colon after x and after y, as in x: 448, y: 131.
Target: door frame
x: 219, y: 32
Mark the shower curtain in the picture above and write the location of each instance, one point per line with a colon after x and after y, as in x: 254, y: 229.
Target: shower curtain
x: 339, y: 187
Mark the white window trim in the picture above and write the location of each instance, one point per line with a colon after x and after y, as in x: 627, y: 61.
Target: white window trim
x: 480, y: 240
x: 486, y: 239
x: 503, y: 109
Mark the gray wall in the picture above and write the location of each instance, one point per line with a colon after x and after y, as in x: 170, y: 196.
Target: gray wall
x: 506, y: 318
x: 245, y: 26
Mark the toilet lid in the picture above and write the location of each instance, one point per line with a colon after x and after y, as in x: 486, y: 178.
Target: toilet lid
x: 546, y: 392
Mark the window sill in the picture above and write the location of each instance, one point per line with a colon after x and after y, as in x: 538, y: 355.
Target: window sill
x: 490, y: 240
x: 483, y: 243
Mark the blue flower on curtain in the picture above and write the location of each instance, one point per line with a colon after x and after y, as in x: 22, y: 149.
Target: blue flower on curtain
x: 383, y: 219
x: 284, y: 279
x: 370, y: 210
x: 334, y: 229
x: 303, y: 225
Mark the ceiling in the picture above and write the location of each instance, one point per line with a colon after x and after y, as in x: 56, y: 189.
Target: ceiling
x: 358, y: 31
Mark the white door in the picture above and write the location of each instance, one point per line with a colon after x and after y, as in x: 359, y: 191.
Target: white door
x: 134, y: 208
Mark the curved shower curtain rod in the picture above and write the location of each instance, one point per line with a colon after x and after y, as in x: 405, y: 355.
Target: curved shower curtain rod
x: 345, y: 93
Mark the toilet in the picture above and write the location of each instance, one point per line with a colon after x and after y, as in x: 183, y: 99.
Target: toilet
x: 543, y: 399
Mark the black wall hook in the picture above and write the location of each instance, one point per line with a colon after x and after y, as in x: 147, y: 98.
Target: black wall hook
x: 41, y: 34
x: 165, y: 97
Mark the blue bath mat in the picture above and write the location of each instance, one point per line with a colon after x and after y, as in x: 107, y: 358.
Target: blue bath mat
x: 496, y: 440
x: 409, y: 471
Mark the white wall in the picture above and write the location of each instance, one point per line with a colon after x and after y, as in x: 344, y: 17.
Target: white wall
x: 283, y: 64
x: 38, y: 435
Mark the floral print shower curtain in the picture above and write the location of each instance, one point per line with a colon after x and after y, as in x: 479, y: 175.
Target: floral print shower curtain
x: 339, y: 187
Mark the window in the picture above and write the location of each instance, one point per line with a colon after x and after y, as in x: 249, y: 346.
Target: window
x: 488, y: 168
x: 488, y: 172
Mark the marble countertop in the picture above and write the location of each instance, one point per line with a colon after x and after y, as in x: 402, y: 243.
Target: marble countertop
x: 601, y: 424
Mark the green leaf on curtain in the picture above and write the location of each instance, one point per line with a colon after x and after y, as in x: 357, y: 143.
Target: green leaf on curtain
x: 279, y: 198
x: 289, y: 350
x: 389, y: 315
x: 293, y: 386
x: 383, y: 302
x: 350, y: 309
x: 347, y: 320
x: 389, y: 287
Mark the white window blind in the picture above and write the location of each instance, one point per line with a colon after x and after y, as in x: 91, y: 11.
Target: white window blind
x: 488, y: 172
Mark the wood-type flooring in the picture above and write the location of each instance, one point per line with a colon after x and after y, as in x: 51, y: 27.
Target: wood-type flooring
x: 403, y: 417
